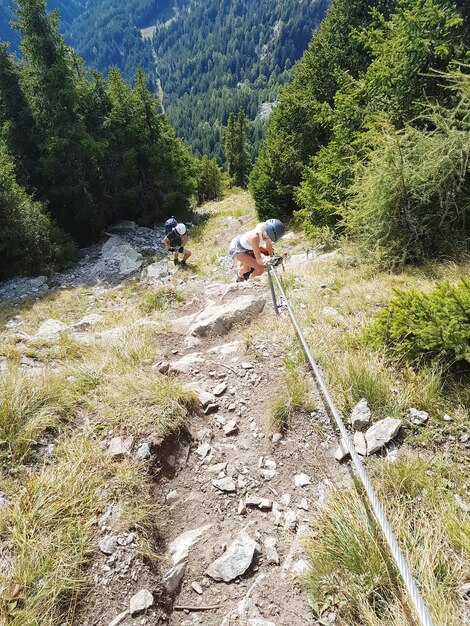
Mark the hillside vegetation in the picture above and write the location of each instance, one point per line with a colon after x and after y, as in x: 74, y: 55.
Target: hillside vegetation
x: 370, y: 138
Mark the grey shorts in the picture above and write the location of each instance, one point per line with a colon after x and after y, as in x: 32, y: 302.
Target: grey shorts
x: 236, y: 248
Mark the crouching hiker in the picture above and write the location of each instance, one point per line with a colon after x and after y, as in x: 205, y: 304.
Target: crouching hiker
x: 254, y: 249
x: 175, y: 240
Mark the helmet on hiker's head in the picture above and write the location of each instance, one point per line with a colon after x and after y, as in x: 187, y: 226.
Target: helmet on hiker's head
x: 181, y: 229
x: 274, y: 229
x: 170, y: 224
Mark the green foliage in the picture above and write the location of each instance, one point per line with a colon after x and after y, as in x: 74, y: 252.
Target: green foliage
x: 411, y: 197
x: 29, y: 240
x: 432, y: 326
x: 210, y: 180
x: 301, y: 122
x: 236, y: 148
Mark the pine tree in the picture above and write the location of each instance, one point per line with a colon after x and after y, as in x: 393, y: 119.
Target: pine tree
x: 68, y: 153
x: 17, y: 125
x: 230, y: 145
x: 242, y: 155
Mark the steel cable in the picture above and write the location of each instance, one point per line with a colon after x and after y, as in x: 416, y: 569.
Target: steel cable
x: 415, y: 595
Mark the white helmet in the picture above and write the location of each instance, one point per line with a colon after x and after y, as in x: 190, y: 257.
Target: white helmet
x: 181, y: 229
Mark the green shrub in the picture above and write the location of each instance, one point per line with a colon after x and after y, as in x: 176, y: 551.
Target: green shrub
x: 29, y: 241
x: 411, y: 199
x: 432, y: 326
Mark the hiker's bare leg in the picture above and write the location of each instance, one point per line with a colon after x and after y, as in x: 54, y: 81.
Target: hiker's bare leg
x: 187, y: 254
x: 248, y: 262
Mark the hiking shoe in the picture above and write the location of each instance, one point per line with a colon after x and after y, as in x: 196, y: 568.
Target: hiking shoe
x: 183, y: 262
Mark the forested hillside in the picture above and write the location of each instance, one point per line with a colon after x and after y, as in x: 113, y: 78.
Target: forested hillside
x: 212, y: 58
x: 216, y: 57
x: 77, y: 150
x: 371, y: 136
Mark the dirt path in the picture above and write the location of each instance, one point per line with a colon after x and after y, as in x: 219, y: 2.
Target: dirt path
x: 232, y: 463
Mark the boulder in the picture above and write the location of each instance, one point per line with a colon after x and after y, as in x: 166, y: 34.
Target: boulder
x: 155, y: 273
x: 218, y: 319
x: 50, y: 329
x: 360, y: 415
x: 118, y: 251
x: 235, y: 560
x: 123, y: 226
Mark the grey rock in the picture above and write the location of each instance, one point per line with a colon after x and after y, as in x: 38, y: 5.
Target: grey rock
x: 203, y: 450
x: 187, y: 363
x: 172, y: 579
x: 231, y: 428
x: 267, y: 474
x: 303, y: 504
x: 179, y: 547
x: 108, y: 545
x: 272, y: 557
x: 247, y: 365
x: 155, y: 273
x: 341, y: 453
x: 119, y: 447
x: 197, y: 587
x: 88, y: 321
x: 258, y: 621
x: 360, y: 415
x: 218, y: 319
x: 464, y: 590
x: 143, y: 451
x: 50, y: 329
x: 464, y: 438
x: 225, y: 484
x: 461, y: 503
x: 172, y: 496
x: 119, y: 618
x: 301, y: 480
x: 329, y: 310
x: 300, y: 567
x: 116, y: 250
x: 276, y: 438
x: 417, y: 417
x: 290, y: 520
x: 381, y: 433
x: 205, y: 397
x: 219, y: 389
x: 123, y: 226
x: 205, y: 435
x: 360, y: 443
x: 140, y: 601
x: 235, y: 560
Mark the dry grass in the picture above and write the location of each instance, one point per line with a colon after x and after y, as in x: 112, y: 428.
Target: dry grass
x: 352, y: 572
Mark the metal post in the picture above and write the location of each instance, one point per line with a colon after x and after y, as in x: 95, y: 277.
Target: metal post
x: 273, y: 293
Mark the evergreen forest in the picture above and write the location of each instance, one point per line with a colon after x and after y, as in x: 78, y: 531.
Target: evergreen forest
x: 77, y: 150
x: 371, y: 136
x: 205, y: 60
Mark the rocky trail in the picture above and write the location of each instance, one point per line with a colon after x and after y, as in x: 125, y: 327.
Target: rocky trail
x: 234, y: 498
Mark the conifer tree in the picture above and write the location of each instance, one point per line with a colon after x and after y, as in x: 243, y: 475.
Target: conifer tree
x: 17, y: 126
x: 230, y: 145
x: 242, y: 155
x: 68, y: 155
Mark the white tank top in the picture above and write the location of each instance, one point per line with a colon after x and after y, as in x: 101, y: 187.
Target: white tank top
x: 259, y: 230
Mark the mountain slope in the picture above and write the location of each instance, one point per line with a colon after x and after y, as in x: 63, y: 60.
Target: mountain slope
x: 210, y: 58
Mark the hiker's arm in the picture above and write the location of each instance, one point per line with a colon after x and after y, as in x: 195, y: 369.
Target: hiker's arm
x: 253, y: 239
x: 270, y: 248
x: 166, y: 242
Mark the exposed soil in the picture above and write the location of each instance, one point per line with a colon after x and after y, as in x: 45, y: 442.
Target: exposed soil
x: 187, y: 499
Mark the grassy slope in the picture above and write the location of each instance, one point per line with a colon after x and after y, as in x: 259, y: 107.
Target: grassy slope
x: 92, y: 390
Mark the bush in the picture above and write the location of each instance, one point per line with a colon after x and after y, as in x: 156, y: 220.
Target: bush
x: 431, y: 326
x: 29, y: 241
x: 210, y: 181
x: 411, y: 199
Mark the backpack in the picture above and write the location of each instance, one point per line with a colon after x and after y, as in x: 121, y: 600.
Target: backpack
x: 169, y: 225
x: 174, y: 238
